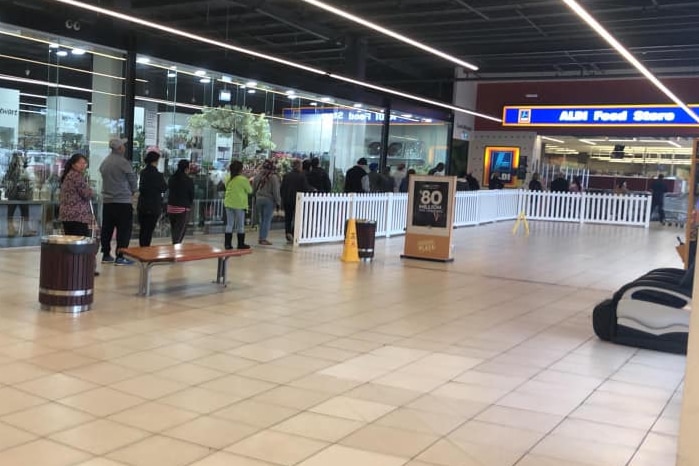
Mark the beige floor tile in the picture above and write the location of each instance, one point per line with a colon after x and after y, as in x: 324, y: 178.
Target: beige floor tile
x: 190, y: 374
x: 20, y: 372
x: 12, y: 400
x: 55, y: 386
x: 103, y: 373
x: 569, y: 448
x: 389, y: 440
x: 226, y: 363
x: 292, y: 397
x: 101, y: 462
x: 318, y: 426
x: 274, y: 373
x: 258, y: 352
x: 223, y: 458
x: 42, y: 452
x: 384, y: 394
x: 448, y: 453
x: 159, y: 450
x: 277, y: 447
x: 421, y: 421
x: 468, y: 392
x: 499, y: 381
x: 99, y: 437
x: 538, y: 460
x: 239, y: 386
x: 47, y: 418
x: 449, y: 406
x: 600, y: 432
x: 650, y: 458
x: 199, y: 400
x: 338, y: 455
x: 149, y: 386
x: 154, y: 417
x: 10, y: 436
x: 493, y: 435
x: 101, y: 401
x: 211, y: 432
x: 522, y: 419
x: 256, y: 413
x: 352, y: 408
x: 145, y: 361
x: 60, y: 361
x: 418, y: 383
x: 182, y: 352
x: 325, y: 383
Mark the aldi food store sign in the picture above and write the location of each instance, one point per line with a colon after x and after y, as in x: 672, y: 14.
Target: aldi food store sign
x: 583, y: 115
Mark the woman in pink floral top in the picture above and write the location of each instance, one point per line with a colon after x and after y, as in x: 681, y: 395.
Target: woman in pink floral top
x: 76, y: 195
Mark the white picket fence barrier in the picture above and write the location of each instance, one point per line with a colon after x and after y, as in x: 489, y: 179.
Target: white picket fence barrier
x: 321, y: 218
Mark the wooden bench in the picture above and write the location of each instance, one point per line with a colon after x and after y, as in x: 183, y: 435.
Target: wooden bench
x: 150, y: 256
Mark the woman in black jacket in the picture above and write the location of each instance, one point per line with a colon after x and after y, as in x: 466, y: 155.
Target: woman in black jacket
x: 150, y: 199
x: 179, y: 200
x: 293, y: 183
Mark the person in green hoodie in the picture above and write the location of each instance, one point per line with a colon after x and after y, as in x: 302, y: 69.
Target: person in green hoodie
x: 238, y: 189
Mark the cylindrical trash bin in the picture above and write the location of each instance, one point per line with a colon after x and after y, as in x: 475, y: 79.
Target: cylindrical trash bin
x: 366, y: 237
x: 67, y: 273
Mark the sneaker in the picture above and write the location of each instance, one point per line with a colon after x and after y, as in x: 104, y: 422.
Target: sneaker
x: 107, y: 259
x: 264, y: 242
x: 123, y: 261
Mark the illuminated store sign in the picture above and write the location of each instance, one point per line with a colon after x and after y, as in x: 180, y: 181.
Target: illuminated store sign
x: 583, y: 115
x: 346, y: 116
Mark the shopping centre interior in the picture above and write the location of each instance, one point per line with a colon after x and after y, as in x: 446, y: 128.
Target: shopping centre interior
x: 489, y: 360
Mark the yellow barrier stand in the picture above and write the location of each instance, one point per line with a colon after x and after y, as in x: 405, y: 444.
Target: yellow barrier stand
x: 350, y: 252
x: 521, y: 218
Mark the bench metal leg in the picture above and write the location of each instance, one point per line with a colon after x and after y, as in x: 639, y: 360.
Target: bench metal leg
x: 221, y: 271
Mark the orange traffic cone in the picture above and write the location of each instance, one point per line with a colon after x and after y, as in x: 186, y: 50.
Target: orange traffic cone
x: 350, y: 252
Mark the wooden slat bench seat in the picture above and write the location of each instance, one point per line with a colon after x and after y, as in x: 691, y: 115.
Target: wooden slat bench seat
x: 150, y: 256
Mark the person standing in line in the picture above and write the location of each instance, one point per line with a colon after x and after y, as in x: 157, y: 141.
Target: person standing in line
x: 576, y: 185
x: 74, y: 204
x: 179, y: 200
x: 658, y: 189
x: 357, y: 179
x: 267, y: 196
x: 238, y: 189
x: 535, y: 183
x: 387, y: 182
x: 560, y: 184
x: 398, y: 176
x: 375, y: 179
x: 318, y: 178
x: 293, y: 183
x: 437, y: 171
x: 119, y: 184
x: 473, y: 184
x: 496, y: 182
x: 405, y: 183
x: 150, y: 200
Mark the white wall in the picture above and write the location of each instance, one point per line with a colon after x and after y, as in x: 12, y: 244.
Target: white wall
x: 9, y: 114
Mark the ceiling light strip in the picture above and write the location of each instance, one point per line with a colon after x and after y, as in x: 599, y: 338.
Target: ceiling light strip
x: 552, y: 139
x: 49, y: 43
x: 592, y: 22
x: 390, y: 33
x: 63, y: 67
x: 194, y: 37
x: 4, y: 77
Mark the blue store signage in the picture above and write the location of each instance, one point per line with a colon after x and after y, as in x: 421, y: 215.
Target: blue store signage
x: 583, y: 115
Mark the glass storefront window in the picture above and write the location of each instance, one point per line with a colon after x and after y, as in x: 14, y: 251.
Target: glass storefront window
x: 417, y: 142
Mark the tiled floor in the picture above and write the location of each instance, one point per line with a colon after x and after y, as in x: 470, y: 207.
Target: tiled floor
x: 304, y: 360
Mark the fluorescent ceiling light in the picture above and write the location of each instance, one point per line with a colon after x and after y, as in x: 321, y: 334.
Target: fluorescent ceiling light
x: 290, y: 92
x: 391, y: 33
x: 205, y: 80
x: 4, y: 77
x: 592, y: 22
x: 200, y: 73
x: 406, y: 115
x: 172, y: 74
x: 62, y: 53
x: 315, y: 104
x: 357, y: 105
x: 251, y: 83
x: 427, y: 120
x: 224, y: 45
x: 226, y: 79
x: 673, y: 143
x: 78, y: 51
x: 143, y: 60
x: 326, y: 99
x: 552, y: 139
x: 251, y: 91
x: 53, y: 45
x: 588, y: 141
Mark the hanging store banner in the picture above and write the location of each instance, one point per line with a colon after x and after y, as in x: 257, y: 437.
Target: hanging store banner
x: 430, y: 218
x: 599, y: 116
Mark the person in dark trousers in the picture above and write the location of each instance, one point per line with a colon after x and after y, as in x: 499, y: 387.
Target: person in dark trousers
x: 658, y: 189
x: 318, y: 178
x: 560, y: 184
x: 293, y: 183
x: 357, y: 179
x: 151, y: 187
x: 437, y: 171
x: 405, y: 182
x: 375, y: 181
x: 495, y: 181
x: 119, y: 184
x: 387, y: 182
x: 179, y: 200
